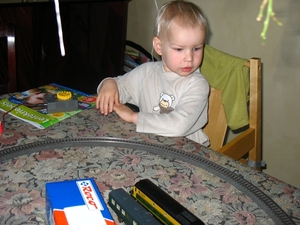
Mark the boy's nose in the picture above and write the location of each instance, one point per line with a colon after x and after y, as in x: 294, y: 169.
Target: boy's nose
x: 188, y: 57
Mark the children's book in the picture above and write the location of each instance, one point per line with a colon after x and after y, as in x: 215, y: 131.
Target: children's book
x: 30, y: 106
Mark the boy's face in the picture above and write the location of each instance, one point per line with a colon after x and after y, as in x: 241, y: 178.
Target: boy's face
x: 181, y: 48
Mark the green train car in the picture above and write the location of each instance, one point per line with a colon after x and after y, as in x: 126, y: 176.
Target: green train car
x: 129, y: 210
x: 162, y: 205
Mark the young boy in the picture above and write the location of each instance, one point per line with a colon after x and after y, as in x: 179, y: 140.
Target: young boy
x: 171, y: 94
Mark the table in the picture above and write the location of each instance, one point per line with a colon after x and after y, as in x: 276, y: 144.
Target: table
x: 214, y: 187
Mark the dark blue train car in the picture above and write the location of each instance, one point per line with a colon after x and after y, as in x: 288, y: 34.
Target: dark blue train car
x: 129, y: 210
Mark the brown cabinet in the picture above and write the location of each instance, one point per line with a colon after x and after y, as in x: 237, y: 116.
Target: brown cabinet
x: 94, y: 36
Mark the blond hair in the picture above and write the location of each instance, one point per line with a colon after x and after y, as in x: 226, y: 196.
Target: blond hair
x: 187, y: 13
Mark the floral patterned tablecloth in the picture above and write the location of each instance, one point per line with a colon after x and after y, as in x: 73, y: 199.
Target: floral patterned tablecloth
x: 212, y: 199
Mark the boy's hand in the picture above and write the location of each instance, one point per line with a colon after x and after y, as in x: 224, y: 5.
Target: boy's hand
x: 108, y: 96
x: 126, y: 113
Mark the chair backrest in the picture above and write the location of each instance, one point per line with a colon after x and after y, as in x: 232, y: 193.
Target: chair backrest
x: 8, y: 31
x: 247, y: 142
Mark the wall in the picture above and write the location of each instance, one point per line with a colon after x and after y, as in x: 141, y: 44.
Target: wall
x: 234, y: 29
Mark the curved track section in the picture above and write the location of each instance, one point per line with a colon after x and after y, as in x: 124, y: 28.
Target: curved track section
x: 261, y: 199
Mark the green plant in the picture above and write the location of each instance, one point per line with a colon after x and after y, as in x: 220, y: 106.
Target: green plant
x: 270, y: 14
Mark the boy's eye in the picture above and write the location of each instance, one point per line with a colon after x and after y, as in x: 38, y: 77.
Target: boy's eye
x: 196, y: 49
x: 178, y: 49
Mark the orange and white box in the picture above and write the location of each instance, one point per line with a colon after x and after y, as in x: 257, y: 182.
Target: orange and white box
x: 76, y: 202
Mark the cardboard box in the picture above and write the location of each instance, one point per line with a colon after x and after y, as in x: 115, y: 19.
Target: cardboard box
x: 76, y: 202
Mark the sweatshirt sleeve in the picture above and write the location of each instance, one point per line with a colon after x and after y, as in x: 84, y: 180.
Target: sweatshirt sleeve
x: 127, y: 84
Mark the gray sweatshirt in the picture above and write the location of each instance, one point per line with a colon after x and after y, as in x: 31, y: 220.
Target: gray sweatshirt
x: 170, y: 105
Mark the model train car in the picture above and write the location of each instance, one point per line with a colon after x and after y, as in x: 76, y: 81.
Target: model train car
x: 162, y: 205
x: 129, y: 210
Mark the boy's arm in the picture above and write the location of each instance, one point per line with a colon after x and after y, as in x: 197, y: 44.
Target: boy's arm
x: 126, y: 113
x: 108, y: 95
x: 118, y: 89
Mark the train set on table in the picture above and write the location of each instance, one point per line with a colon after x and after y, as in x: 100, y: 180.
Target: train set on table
x: 146, y: 202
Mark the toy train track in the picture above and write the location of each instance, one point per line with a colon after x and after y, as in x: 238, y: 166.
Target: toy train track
x: 262, y: 200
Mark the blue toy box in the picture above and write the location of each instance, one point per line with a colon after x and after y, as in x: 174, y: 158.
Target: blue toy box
x: 76, y: 202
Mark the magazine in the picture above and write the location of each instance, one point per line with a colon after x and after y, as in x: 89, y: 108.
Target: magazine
x: 29, y: 105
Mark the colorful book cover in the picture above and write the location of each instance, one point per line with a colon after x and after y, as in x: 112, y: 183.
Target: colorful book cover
x: 29, y: 105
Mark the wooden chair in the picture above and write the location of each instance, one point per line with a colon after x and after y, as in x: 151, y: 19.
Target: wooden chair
x: 10, y: 85
x: 246, y: 146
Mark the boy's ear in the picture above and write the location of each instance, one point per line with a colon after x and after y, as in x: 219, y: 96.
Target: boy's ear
x: 157, y: 45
